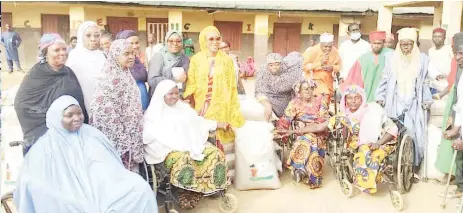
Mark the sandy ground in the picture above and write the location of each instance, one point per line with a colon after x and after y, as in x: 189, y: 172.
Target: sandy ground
x: 290, y: 198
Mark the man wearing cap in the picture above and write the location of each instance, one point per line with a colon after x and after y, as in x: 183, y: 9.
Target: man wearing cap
x: 440, y: 58
x: 352, y: 49
x: 447, y: 147
x: 322, y: 64
x: 367, y: 70
x: 390, y: 41
x: 402, y: 88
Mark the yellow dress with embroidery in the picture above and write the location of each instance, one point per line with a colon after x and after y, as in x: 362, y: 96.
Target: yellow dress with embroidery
x: 224, y: 105
x: 367, y: 164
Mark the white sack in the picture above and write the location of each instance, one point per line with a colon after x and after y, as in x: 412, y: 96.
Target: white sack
x: 434, y: 139
x: 256, y: 162
x: 252, y: 110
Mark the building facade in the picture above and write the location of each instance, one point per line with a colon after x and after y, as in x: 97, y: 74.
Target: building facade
x: 252, y: 31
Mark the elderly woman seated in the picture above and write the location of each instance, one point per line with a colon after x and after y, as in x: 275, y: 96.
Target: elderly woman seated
x: 374, y: 135
x: 176, y: 135
x: 306, y: 158
x: 275, y: 80
x: 74, y: 168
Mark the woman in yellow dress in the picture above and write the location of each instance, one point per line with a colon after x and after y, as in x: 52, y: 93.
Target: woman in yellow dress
x: 211, y: 85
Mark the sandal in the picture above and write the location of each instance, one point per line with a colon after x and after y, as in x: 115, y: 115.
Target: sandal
x: 189, y: 199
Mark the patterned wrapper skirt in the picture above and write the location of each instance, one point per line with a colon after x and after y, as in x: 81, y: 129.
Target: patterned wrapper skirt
x: 207, y: 176
x: 307, y: 157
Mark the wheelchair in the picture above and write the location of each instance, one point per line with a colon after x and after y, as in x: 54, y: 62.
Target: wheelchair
x: 286, y: 145
x: 397, y: 169
x: 158, y: 176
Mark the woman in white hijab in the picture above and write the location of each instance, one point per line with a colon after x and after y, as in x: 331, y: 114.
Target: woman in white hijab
x: 175, y: 134
x: 86, y: 60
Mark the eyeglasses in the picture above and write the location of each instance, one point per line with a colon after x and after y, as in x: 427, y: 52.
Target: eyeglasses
x: 174, y: 41
x: 212, y: 39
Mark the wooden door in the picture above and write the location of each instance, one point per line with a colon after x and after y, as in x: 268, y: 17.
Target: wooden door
x: 231, y: 32
x: 158, y: 27
x: 118, y: 24
x: 286, y: 38
x: 56, y: 24
x: 7, y: 18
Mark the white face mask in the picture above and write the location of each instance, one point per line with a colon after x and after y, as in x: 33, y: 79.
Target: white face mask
x: 355, y: 36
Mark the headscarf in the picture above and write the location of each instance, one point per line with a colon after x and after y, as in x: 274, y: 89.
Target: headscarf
x: 406, y: 75
x: 203, y: 36
x: 69, y: 166
x: 298, y: 84
x: 46, y: 41
x: 80, y: 32
x: 176, y: 127
x: 138, y: 70
x: 371, y: 116
x: 39, y: 88
x: 86, y: 64
x: 125, y: 34
x: 170, y: 58
x: 116, y: 100
x: 278, y: 88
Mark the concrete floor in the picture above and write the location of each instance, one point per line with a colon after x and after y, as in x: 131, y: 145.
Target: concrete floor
x: 290, y: 198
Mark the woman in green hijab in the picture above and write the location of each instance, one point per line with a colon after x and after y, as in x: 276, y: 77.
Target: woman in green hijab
x: 161, y: 65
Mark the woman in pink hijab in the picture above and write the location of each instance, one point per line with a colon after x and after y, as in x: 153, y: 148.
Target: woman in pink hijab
x: 373, y: 135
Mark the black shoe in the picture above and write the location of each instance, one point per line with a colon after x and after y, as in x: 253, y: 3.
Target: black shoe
x: 11, y: 71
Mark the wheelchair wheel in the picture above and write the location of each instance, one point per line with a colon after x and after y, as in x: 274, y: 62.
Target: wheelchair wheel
x: 5, y: 199
x: 405, y: 160
x: 229, y: 203
x: 397, y: 200
x: 347, y: 188
x: 331, y: 154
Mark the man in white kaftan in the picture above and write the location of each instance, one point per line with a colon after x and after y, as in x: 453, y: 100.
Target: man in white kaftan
x: 402, y: 89
x: 352, y: 49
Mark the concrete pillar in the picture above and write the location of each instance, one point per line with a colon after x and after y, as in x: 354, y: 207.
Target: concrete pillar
x: 451, y: 18
x: 261, y: 34
x: 385, y: 19
x: 76, y: 17
x: 437, y: 18
x: 175, y: 20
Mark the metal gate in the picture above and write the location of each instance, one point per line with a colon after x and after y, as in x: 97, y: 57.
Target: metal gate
x: 158, y: 29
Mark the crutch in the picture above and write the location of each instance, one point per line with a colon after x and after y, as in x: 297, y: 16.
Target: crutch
x: 425, y: 159
x: 448, y: 180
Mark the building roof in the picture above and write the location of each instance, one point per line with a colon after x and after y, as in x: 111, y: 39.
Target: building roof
x: 346, y: 6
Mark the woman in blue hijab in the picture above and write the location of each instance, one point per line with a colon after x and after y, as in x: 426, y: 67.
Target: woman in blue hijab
x: 74, y: 168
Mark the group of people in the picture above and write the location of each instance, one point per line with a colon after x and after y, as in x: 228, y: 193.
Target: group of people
x: 375, y: 84
x: 92, y: 115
